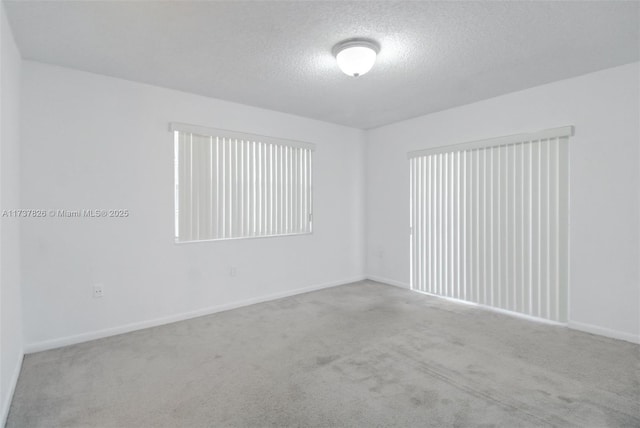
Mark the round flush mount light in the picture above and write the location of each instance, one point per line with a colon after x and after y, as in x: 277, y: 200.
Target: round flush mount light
x: 356, y: 56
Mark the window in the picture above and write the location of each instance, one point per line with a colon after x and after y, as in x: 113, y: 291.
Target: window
x: 489, y: 222
x: 230, y: 185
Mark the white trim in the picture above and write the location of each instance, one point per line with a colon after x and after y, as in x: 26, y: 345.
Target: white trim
x: 603, y: 331
x: 6, y: 406
x: 573, y: 325
x: 494, y: 309
x: 388, y: 281
x: 127, y: 328
x: 466, y: 303
x: 196, y: 241
x: 564, y: 131
x: 225, y: 133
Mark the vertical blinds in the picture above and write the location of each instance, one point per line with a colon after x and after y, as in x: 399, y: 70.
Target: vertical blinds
x: 230, y: 185
x: 489, y: 222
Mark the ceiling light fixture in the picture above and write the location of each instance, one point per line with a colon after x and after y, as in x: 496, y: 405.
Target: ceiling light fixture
x: 356, y: 56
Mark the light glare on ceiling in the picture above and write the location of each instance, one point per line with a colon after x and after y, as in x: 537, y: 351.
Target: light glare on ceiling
x: 355, y: 57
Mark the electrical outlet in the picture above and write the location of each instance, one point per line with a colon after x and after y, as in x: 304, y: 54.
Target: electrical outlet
x: 233, y: 271
x: 98, y: 291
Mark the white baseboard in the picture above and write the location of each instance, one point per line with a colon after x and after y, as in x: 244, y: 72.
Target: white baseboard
x: 464, y: 302
x: 602, y: 331
x: 497, y: 310
x: 388, y: 281
x: 127, y: 328
x: 587, y: 328
x: 85, y: 337
x: 6, y: 405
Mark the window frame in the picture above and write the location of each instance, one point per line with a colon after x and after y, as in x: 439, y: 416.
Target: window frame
x: 237, y: 138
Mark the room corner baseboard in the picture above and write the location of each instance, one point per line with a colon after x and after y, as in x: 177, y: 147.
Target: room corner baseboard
x: 587, y: 328
x: 127, y: 328
x: 602, y: 331
x: 6, y: 405
x: 388, y: 281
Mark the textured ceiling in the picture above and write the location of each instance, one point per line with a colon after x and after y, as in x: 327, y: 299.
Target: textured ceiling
x: 277, y: 55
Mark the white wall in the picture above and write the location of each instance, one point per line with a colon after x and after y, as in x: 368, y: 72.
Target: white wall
x: 10, y: 305
x: 604, y: 183
x: 90, y: 141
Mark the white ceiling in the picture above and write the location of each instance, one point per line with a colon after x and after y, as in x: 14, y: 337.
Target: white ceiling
x: 277, y: 55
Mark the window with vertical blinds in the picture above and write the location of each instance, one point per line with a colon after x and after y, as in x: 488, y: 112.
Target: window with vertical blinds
x: 489, y: 222
x: 230, y: 185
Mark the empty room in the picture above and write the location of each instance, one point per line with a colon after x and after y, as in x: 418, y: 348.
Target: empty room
x: 319, y: 214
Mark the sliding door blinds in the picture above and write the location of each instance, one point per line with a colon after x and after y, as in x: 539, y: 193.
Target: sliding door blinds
x: 489, y: 222
x: 231, y: 185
